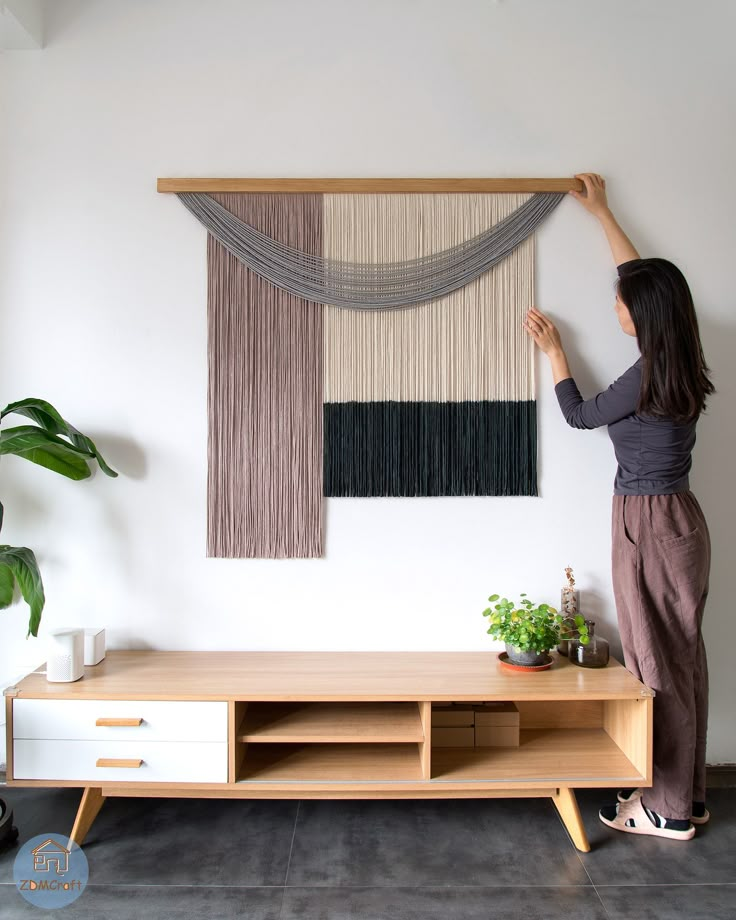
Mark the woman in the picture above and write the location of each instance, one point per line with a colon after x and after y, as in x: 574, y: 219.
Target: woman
x: 661, y: 545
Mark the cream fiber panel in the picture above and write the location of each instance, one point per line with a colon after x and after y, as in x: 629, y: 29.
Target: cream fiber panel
x: 163, y: 761
x: 162, y: 720
x: 469, y: 345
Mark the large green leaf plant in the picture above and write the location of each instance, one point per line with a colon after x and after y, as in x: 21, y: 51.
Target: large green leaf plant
x: 54, y: 443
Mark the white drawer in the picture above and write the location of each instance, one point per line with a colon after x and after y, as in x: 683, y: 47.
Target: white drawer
x: 162, y: 761
x: 160, y: 720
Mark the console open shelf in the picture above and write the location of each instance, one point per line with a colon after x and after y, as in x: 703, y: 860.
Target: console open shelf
x: 331, y: 763
x: 360, y: 723
x: 578, y: 756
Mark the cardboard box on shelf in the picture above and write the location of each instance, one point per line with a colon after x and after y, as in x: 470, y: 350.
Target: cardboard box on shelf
x: 497, y: 725
x: 453, y: 714
x: 475, y: 724
x: 453, y: 736
x: 504, y: 714
x: 496, y: 736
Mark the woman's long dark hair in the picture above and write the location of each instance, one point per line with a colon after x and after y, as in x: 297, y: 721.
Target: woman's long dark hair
x: 675, y: 379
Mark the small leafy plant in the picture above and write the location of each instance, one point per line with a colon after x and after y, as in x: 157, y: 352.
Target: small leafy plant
x: 573, y: 627
x: 531, y: 627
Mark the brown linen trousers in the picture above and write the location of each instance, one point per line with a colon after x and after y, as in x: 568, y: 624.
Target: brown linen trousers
x: 661, y: 566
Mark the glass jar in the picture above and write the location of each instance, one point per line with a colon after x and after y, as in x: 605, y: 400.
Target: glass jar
x: 593, y: 655
x: 569, y: 606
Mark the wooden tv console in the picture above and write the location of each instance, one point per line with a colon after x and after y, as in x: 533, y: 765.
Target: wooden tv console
x: 331, y: 725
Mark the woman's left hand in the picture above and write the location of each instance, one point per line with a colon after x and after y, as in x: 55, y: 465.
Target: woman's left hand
x: 543, y: 331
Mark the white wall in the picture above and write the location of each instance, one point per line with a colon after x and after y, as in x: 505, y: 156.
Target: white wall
x: 103, y: 292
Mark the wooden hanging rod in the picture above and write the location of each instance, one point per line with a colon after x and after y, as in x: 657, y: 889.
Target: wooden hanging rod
x: 369, y: 186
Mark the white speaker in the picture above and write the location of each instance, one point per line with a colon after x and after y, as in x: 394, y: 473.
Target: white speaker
x: 94, y: 646
x: 65, y: 656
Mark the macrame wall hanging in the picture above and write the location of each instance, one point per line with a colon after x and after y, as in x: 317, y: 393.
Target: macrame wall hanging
x: 365, y: 339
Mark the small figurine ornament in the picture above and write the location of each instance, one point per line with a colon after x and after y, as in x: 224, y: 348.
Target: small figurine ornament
x: 569, y: 602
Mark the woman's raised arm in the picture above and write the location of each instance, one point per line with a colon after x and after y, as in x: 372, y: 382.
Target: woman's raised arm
x: 594, y: 200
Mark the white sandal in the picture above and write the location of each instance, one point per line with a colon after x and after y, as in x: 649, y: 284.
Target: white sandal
x: 626, y: 795
x: 631, y: 818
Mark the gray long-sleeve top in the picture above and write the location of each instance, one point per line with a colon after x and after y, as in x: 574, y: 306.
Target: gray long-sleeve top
x: 654, y: 454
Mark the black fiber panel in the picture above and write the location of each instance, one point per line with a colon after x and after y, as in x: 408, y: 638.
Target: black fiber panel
x: 430, y: 448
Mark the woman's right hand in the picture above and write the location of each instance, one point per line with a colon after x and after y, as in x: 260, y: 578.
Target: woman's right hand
x: 543, y: 331
x: 594, y: 198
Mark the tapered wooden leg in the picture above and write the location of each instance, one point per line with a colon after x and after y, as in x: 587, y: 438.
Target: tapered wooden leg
x: 89, y: 807
x: 567, y: 805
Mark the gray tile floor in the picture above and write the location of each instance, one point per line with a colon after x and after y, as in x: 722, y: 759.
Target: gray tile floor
x: 365, y: 860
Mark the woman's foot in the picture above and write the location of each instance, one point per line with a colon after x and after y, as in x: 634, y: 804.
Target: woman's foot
x: 633, y: 817
x: 699, y: 813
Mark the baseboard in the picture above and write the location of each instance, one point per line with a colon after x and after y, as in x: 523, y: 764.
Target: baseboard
x: 722, y: 776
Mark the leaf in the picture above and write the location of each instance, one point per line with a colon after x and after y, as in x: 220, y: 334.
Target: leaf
x: 487, y: 612
x: 45, y: 449
x: 23, y: 566
x: 39, y: 411
x: 79, y: 440
x: 493, y: 597
x: 45, y: 415
x: 7, y: 586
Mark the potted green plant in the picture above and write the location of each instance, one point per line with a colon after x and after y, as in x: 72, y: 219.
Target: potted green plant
x: 54, y: 443
x: 530, y: 630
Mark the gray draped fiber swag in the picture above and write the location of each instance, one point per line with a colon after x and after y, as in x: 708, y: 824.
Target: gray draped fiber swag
x: 367, y: 286
x: 321, y: 385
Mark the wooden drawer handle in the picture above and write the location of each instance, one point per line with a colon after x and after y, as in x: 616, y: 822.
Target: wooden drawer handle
x: 117, y: 762
x: 109, y: 721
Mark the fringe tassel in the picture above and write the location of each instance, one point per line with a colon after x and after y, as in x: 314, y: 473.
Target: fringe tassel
x: 438, y: 400
x: 264, y: 494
